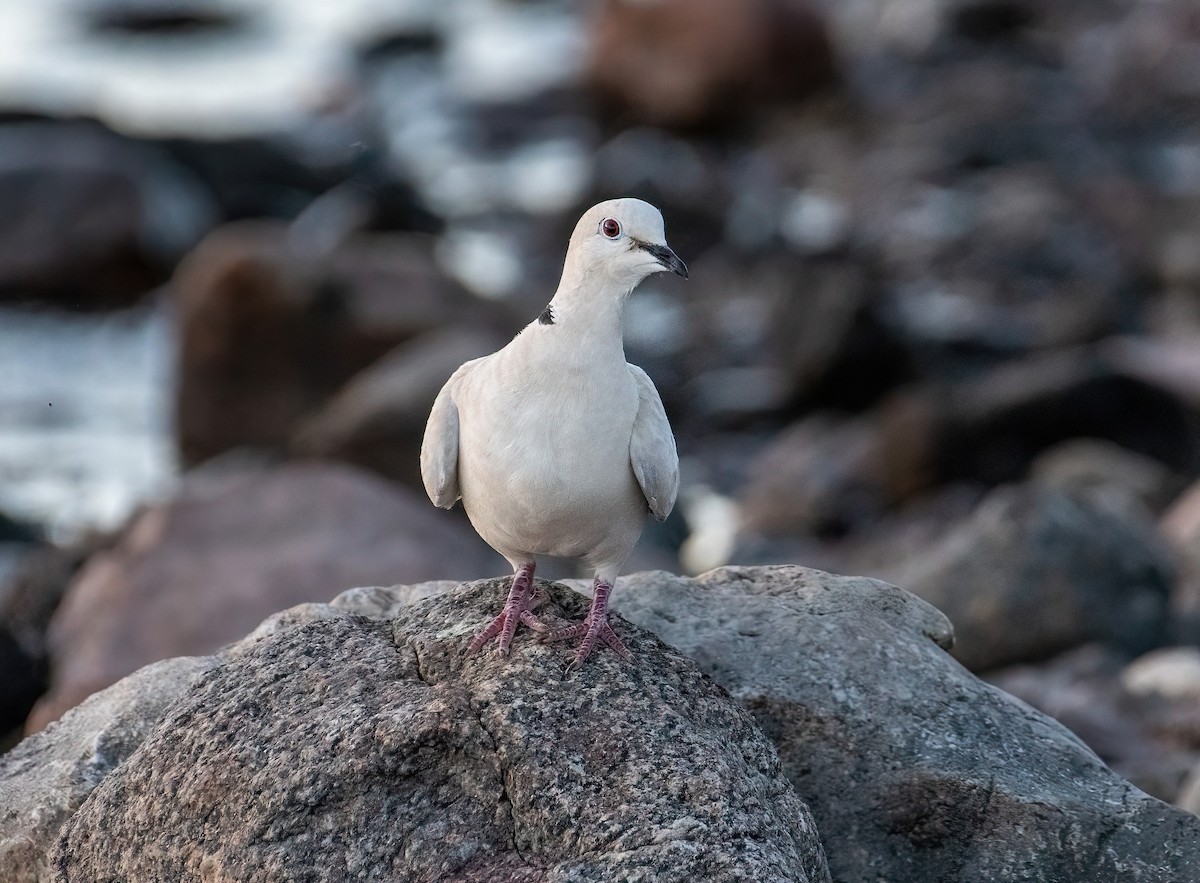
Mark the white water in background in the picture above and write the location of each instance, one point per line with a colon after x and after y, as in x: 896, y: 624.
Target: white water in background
x: 85, y: 405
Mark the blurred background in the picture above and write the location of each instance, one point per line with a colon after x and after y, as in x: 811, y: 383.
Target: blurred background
x: 942, y: 326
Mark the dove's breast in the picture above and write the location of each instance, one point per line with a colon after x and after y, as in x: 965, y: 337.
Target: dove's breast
x: 544, y: 462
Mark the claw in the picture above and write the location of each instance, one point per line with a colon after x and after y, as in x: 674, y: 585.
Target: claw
x: 521, y: 601
x: 593, y: 628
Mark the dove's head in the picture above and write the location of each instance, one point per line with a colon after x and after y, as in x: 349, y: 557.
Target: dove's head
x: 621, y: 242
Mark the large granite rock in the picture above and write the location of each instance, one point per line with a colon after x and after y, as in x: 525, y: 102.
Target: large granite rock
x: 914, y: 769
x: 350, y: 748
x: 195, y: 573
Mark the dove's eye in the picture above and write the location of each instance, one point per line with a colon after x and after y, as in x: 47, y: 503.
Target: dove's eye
x: 610, y: 227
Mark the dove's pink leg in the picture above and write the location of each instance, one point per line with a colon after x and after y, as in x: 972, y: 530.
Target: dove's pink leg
x: 517, y: 608
x: 594, y: 628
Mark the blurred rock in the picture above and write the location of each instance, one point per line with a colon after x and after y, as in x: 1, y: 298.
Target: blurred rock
x: 371, y: 746
x: 840, y: 474
x: 837, y: 475
x: 915, y: 771
x: 1035, y: 572
x: 267, y: 334
x: 992, y: 427
x: 1106, y: 474
x: 24, y: 681
x: 1172, y: 364
x: 1189, y: 795
x: 826, y: 335
x: 323, y: 175
x: 883, y: 549
x: 1170, y: 673
x: 378, y: 419
x: 45, y: 779
x: 193, y: 574
x: 779, y: 334
x: 821, y: 475
x: 88, y: 219
x: 1181, y: 526
x: 696, y: 63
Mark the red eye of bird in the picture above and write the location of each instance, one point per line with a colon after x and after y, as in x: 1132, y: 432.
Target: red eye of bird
x: 610, y: 227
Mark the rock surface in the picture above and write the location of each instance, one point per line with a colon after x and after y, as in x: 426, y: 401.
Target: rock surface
x: 202, y: 570
x: 1034, y: 572
x: 45, y: 779
x: 914, y: 769
x: 355, y: 748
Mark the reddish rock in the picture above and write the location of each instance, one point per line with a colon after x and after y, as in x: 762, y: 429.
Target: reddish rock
x: 267, y: 334
x: 193, y: 574
x: 699, y: 62
x: 378, y: 419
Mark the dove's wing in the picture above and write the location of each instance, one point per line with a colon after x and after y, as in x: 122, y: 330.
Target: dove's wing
x: 652, y: 448
x: 439, y: 447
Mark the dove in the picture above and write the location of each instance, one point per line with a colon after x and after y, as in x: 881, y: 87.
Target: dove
x: 555, y: 444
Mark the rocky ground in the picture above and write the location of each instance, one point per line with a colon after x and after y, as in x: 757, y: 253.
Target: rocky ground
x: 942, y: 328
x: 798, y: 726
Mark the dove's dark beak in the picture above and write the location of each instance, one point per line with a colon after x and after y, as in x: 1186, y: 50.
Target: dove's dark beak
x: 666, y: 257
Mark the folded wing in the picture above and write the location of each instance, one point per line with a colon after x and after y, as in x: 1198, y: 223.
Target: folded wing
x: 652, y: 450
x: 439, y: 447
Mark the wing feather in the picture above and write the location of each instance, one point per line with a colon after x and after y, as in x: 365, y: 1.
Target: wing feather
x: 439, y: 447
x: 652, y: 450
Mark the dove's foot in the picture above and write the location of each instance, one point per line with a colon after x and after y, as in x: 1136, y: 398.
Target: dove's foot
x: 518, y: 608
x: 593, y: 629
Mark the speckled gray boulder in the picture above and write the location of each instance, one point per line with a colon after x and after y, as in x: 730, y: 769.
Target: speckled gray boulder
x: 345, y: 748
